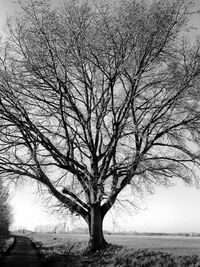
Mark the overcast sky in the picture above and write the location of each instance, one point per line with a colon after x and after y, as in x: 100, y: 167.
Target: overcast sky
x: 174, y: 209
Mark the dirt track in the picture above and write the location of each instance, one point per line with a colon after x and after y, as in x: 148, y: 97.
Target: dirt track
x: 21, y: 255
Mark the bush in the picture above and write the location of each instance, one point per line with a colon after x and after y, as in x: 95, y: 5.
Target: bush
x: 5, y: 212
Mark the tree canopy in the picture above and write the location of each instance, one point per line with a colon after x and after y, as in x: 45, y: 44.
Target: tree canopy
x: 95, y: 98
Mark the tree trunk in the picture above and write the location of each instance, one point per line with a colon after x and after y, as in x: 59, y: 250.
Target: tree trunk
x: 95, y: 223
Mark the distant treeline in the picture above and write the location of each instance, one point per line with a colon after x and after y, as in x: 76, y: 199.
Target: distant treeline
x: 80, y: 230
x: 156, y: 234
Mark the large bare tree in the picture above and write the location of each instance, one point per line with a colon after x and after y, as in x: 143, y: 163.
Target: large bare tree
x: 98, y: 98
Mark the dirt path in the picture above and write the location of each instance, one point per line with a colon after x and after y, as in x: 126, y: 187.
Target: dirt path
x: 21, y: 255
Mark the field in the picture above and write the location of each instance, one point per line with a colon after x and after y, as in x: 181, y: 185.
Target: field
x: 175, y: 245
x: 146, y: 251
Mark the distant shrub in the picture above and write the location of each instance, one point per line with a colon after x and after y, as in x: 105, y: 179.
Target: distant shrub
x: 5, y: 212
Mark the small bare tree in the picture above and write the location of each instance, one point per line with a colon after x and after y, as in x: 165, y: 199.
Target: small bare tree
x: 97, y: 98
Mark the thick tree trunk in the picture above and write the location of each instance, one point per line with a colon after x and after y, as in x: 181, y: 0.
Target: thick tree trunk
x: 97, y: 240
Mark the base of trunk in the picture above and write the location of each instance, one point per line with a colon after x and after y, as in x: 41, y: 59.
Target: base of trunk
x: 94, y: 246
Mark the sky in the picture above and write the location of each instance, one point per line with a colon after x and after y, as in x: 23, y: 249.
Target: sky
x: 174, y: 209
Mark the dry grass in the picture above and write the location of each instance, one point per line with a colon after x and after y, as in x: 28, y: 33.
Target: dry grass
x: 175, y: 245
x: 5, y: 244
x: 125, y: 251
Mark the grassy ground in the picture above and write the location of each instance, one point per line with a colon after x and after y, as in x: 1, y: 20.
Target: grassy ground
x: 5, y: 244
x: 125, y: 251
x: 176, y: 245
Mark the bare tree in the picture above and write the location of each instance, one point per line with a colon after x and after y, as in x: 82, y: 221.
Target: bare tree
x: 98, y: 98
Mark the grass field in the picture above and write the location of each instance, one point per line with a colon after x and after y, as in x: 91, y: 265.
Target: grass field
x: 175, y: 245
x: 145, y: 251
